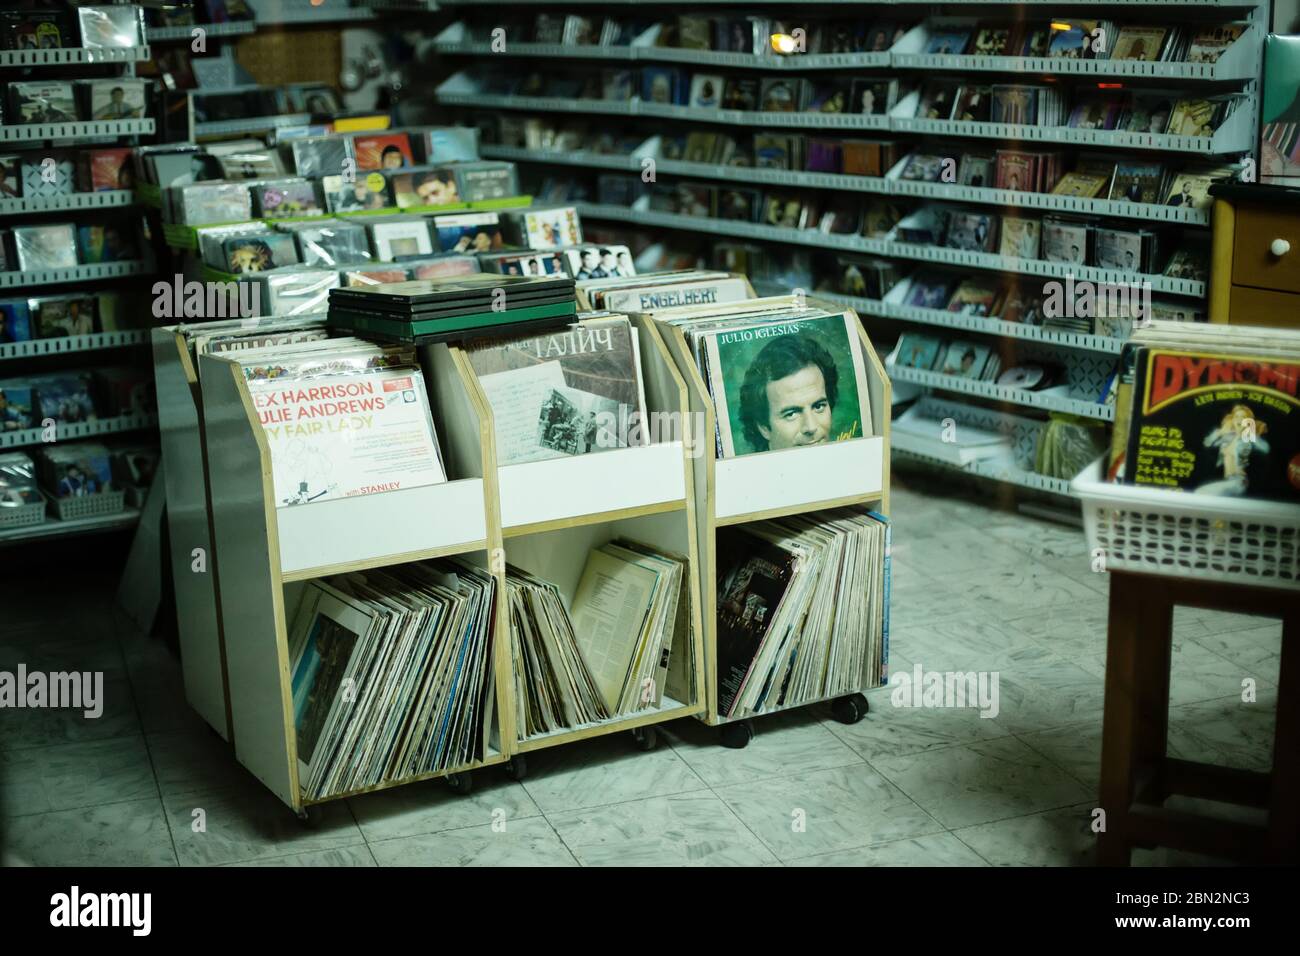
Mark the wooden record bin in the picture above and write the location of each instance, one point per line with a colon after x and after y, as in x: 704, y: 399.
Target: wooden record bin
x: 189, y: 524
x: 554, y: 512
x: 773, y: 484
x: 267, y: 553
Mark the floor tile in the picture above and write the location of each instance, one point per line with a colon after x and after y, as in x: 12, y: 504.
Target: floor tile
x: 114, y: 834
x: 933, y: 849
x: 891, y: 731
x: 430, y: 806
x: 69, y: 776
x: 687, y: 829
x: 980, y: 783
x: 828, y: 810
x: 359, y: 855
x: 1007, y: 592
x: 1226, y: 732
x: 608, y: 769
x: 783, y: 744
x: 529, y: 842
x: 1062, y: 837
x: 247, y: 823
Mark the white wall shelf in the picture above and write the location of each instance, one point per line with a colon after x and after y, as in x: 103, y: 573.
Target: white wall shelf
x: 186, y: 33
x: 1001, y: 393
x: 905, y: 447
x: 73, y: 343
x: 83, y: 273
x: 70, y: 56
x: 54, y: 528
x: 877, y: 185
x: 940, y: 255
x: 71, y: 431
x: 82, y: 131
x: 974, y: 323
x: 107, y: 199
x: 253, y: 124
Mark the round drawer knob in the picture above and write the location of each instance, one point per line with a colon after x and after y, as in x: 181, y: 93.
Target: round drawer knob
x: 1279, y: 247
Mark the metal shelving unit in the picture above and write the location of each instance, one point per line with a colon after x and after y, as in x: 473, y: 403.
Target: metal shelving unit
x: 55, y: 528
x: 82, y: 131
x: 70, y: 203
x: 991, y: 391
x: 68, y: 56
x: 73, y: 343
x: 181, y: 34
x: 82, y: 273
x: 75, y: 430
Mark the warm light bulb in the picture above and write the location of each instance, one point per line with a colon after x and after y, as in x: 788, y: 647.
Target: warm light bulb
x: 783, y: 43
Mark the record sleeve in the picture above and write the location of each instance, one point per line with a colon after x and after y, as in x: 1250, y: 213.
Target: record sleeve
x: 599, y: 262
x: 116, y: 99
x: 45, y: 102
x: 468, y: 232
x: 395, y: 239
x: 363, y: 192
x: 116, y: 26
x: 287, y: 199
x: 383, y: 151
x: 436, y: 187
x: 45, y: 247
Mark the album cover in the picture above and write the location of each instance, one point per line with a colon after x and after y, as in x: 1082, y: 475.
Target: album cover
x: 1020, y: 237
x: 784, y: 210
x: 1211, y: 42
x: 866, y: 278
x: 1195, y: 117
x: 1240, y: 441
x: 1187, y: 264
x: 116, y: 99
x: 1119, y: 249
x: 974, y: 103
x: 919, y: 351
x: 77, y: 469
x: 1065, y: 241
x: 1074, y: 42
x: 1014, y: 104
x: 45, y: 247
x: 824, y: 156
x: 965, y: 360
x: 354, y: 278
x: 552, y: 228
x: 44, y: 102
x: 11, y: 176
x: 470, y: 232
x: 738, y: 204
x: 774, y: 151
x: 975, y: 170
x: 978, y: 296
x: 450, y: 144
x: 828, y: 96
x: 486, y: 179
x: 706, y: 90
x: 1190, y: 191
x: 570, y: 392
x: 972, y: 231
x: 329, y: 242
x: 1147, y: 114
x: 701, y: 147
x: 287, y: 198
x: 115, y: 26
x: 930, y: 289
x: 951, y: 40
x: 35, y: 30
x: 936, y: 100
x: 921, y: 167
x: 445, y: 265
x: 268, y: 250
x: 106, y: 243
x: 15, y: 321
x: 1083, y: 185
x: 365, y: 192
x: 401, y: 238
x: 317, y: 99
x: 992, y: 41
x: 779, y: 94
x: 599, y: 262
x: 662, y: 84
x: 1139, y: 43
x: 1137, y: 182
x: 316, y: 157
x: 383, y: 151
x: 105, y: 169
x: 59, y: 316
x: 524, y: 263
x: 741, y: 93
x: 199, y: 204
x: 427, y: 188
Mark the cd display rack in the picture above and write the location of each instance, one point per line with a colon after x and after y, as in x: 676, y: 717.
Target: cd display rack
x: 540, y: 516
x: 1088, y: 358
x: 27, y: 357
x: 775, y: 484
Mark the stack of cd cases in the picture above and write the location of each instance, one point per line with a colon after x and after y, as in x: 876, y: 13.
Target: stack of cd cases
x: 453, y: 307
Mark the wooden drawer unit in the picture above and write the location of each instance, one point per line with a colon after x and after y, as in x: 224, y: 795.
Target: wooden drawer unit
x: 1254, y: 259
x: 1249, y: 306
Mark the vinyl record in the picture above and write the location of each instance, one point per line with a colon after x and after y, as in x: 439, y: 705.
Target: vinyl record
x: 1022, y: 376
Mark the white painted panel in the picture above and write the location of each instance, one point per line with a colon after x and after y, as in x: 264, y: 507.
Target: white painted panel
x: 367, y: 527
x: 591, y: 484
x: 796, y: 476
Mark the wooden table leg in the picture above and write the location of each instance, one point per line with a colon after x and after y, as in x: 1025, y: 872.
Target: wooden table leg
x: 1119, y: 723
x: 1284, y: 803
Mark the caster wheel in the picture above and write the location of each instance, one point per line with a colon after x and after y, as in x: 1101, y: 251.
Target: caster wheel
x: 647, y: 738
x: 461, y: 783
x: 517, y: 767
x: 303, y: 816
x: 850, y: 709
x: 738, y: 735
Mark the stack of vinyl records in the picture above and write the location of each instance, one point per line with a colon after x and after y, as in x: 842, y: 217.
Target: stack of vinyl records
x: 802, y: 609
x: 454, y: 307
x: 392, y: 675
x: 553, y: 688
x: 623, y: 641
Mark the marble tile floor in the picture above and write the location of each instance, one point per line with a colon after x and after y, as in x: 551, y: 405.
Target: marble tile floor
x: 975, y: 588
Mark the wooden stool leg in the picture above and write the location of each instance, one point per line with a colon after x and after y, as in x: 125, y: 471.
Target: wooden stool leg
x: 1138, y: 642
x: 1284, y: 802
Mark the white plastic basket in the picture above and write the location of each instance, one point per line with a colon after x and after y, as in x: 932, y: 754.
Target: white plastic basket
x: 22, y: 516
x: 1177, y: 533
x: 90, y: 506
